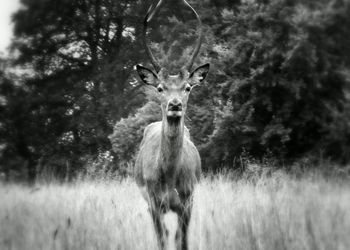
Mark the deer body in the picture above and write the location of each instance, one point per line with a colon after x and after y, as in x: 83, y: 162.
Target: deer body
x: 168, y: 164
x: 167, y: 168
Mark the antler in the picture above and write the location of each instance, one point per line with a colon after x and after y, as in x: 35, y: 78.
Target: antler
x: 199, y: 41
x: 150, y: 13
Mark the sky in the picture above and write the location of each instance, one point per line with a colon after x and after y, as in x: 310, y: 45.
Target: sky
x: 7, y: 8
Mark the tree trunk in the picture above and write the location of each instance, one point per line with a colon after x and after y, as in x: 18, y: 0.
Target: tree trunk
x: 31, y: 168
x: 25, y: 153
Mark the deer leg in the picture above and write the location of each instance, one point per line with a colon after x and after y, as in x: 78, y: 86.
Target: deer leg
x: 184, y: 220
x: 156, y: 217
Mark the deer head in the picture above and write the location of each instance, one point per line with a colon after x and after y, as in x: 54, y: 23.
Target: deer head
x: 173, y: 90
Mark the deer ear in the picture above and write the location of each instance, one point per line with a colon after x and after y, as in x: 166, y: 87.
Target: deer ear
x: 199, y: 74
x: 147, y: 75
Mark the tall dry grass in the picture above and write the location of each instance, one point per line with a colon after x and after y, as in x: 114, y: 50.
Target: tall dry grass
x: 79, y: 216
x: 277, y: 212
x: 271, y: 213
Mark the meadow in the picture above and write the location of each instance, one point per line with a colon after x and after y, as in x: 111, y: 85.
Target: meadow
x: 276, y: 212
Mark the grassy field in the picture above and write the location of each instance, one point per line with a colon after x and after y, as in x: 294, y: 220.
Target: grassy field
x: 277, y: 212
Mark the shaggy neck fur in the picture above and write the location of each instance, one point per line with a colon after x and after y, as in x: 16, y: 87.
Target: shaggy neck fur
x: 171, y: 145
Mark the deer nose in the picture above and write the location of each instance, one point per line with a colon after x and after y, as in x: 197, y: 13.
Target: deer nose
x: 175, y: 105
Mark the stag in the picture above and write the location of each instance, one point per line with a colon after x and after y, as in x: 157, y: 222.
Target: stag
x: 168, y: 164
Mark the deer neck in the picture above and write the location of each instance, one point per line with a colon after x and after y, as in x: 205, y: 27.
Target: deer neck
x: 171, y: 145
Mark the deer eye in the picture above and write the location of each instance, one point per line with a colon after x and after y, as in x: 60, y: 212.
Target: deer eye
x: 188, y: 88
x: 160, y: 89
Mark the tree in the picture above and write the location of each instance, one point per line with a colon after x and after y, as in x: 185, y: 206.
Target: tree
x: 82, y: 53
x: 278, y: 80
x: 16, y: 126
x: 282, y: 84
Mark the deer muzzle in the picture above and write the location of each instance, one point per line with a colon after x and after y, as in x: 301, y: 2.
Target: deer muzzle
x: 174, y: 109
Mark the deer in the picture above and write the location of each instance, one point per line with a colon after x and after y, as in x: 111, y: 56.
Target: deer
x: 168, y: 165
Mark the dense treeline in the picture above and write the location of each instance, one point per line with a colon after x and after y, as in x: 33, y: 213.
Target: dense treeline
x: 71, y: 102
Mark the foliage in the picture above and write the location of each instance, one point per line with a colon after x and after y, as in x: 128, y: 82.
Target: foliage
x: 283, y: 87
x: 128, y: 132
x: 81, y: 78
x: 278, y: 84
